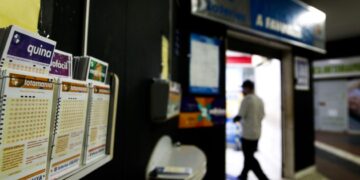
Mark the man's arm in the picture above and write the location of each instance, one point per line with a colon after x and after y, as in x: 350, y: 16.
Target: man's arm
x: 237, y: 119
x: 242, y: 112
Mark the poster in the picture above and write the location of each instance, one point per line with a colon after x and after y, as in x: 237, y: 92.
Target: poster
x: 204, y: 65
x: 354, y: 105
x: 202, y: 112
x: 97, y: 70
x: 331, y: 105
x: 302, y: 74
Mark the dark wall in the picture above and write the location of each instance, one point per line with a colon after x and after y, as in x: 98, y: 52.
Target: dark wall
x: 67, y: 25
x: 304, y: 130
x: 304, y: 133
x: 210, y: 140
x: 341, y: 48
x: 128, y: 35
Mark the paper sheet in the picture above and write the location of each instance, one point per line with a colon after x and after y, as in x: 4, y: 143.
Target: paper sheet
x: 165, y: 58
x: 204, y: 65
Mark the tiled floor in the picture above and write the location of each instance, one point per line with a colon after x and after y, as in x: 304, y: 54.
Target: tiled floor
x: 338, y: 166
x: 344, y: 141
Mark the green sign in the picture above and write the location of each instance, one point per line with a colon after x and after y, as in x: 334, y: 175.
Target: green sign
x: 97, y: 70
x: 339, y: 68
x: 335, y: 68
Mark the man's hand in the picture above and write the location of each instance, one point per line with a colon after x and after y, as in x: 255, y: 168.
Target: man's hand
x: 237, y: 119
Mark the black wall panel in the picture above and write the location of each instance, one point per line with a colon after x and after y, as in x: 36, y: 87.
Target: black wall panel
x: 210, y: 140
x: 304, y: 132
x: 67, y: 24
x: 128, y: 35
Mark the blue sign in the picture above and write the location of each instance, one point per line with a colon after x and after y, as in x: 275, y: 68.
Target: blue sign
x: 286, y: 20
x: 31, y: 48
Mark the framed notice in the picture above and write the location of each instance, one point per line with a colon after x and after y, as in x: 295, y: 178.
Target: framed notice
x: 302, y: 74
x: 204, y: 65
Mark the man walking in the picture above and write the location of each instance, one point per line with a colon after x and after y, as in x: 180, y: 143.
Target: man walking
x: 251, y: 114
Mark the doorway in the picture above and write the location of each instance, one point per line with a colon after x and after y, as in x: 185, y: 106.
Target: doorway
x: 269, y: 64
x: 266, y: 74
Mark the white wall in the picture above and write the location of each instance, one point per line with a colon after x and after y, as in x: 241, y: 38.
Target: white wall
x: 268, y: 87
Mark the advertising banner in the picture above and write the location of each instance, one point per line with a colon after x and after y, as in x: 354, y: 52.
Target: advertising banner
x: 202, y: 112
x: 336, y: 68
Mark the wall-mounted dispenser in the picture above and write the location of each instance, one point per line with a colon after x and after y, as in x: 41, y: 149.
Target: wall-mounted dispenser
x: 165, y: 100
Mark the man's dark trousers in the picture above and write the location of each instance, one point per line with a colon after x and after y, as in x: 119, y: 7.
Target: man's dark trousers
x: 249, y: 148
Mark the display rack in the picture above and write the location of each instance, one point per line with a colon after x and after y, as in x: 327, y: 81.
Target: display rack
x: 88, y: 168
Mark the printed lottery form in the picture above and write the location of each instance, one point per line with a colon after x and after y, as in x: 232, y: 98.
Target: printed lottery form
x: 69, y: 127
x: 98, y: 122
x: 27, y: 101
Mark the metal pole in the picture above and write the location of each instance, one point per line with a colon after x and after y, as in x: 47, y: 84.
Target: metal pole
x: 86, y: 28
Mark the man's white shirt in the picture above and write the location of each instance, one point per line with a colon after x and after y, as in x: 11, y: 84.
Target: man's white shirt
x: 252, y: 112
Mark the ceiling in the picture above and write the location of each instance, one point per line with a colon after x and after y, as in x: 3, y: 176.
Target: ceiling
x: 342, y: 17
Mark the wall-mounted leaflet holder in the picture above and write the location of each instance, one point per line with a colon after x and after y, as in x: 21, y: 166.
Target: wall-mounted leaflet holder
x: 98, y: 146
x: 97, y: 123
x: 165, y: 100
x: 69, y: 127
x: 25, y: 124
x: 25, y: 51
x: 52, y: 126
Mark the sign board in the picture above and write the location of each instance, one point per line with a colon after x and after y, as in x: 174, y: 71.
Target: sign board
x: 61, y: 64
x: 97, y: 70
x: 336, y: 68
x: 290, y: 21
x: 25, y: 51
